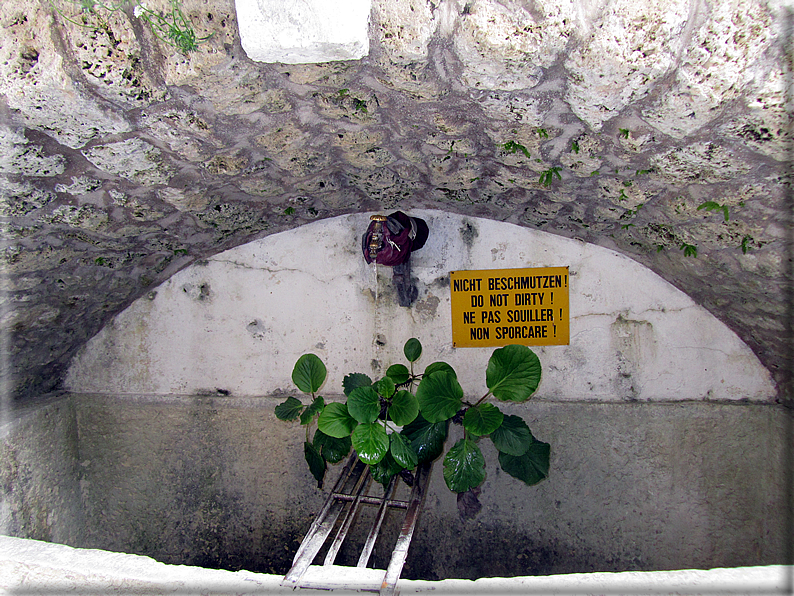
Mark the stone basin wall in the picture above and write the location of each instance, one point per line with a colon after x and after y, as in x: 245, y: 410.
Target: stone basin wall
x: 219, y: 482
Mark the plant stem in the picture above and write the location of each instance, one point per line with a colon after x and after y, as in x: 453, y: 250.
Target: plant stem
x: 387, y: 427
x: 482, y: 399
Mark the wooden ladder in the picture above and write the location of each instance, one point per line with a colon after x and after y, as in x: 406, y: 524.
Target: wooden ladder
x: 350, y: 492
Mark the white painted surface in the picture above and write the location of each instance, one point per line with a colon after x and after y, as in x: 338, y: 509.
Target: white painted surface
x: 304, y: 31
x: 44, y: 568
x: 239, y: 322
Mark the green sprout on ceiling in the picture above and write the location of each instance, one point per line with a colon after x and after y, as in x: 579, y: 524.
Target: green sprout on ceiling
x: 714, y: 206
x: 690, y: 250
x: 514, y: 147
x: 547, y: 176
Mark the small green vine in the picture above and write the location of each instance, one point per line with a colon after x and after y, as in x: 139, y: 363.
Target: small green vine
x: 514, y: 147
x: 714, y: 206
x: 690, y: 250
x: 172, y: 27
x: 547, y: 176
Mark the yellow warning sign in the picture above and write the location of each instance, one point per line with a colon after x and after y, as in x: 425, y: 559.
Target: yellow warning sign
x: 497, y: 307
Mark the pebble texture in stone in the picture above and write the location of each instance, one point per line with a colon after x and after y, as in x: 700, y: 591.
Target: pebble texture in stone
x: 655, y: 128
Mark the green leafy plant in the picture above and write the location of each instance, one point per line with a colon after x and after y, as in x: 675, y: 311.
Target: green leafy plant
x: 513, y: 147
x: 575, y: 146
x: 624, y: 132
x: 403, y: 420
x: 547, y: 176
x: 745, y: 243
x: 690, y: 250
x: 171, y: 27
x: 714, y: 206
x: 543, y: 133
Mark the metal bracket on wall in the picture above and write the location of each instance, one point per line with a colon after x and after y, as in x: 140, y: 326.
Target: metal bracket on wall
x: 348, y: 494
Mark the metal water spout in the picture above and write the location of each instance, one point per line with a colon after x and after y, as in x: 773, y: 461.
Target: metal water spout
x: 390, y: 240
x: 376, y: 239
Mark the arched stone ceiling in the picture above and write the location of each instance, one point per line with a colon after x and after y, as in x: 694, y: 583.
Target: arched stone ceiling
x: 657, y: 128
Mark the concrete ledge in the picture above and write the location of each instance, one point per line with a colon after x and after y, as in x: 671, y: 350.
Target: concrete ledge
x: 40, y: 568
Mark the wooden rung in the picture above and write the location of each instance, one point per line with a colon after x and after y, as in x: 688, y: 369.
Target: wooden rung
x: 396, y: 503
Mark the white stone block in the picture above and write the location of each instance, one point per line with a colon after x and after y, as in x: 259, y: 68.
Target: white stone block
x: 304, y: 31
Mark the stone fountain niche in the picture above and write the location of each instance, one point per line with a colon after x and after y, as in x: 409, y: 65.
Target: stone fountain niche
x: 667, y: 447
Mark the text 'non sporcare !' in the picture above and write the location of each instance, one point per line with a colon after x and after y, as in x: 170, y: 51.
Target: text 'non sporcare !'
x: 497, y: 307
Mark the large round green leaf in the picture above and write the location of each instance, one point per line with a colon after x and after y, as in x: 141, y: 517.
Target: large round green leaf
x: 370, y: 442
x: 332, y: 449
x: 383, y: 471
x: 289, y: 409
x: 513, y: 373
x: 513, y: 436
x: 336, y: 421
x: 440, y: 396
x: 412, y: 349
x: 314, y: 408
x: 398, y: 373
x: 354, y: 380
x: 464, y: 466
x: 316, y: 462
x: 401, y: 451
x: 385, y: 387
x: 483, y: 419
x: 530, y: 468
x: 427, y: 439
x: 309, y: 373
x: 438, y: 367
x: 404, y: 408
x: 364, y: 404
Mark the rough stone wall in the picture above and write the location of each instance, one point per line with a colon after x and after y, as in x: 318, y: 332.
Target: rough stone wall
x: 661, y: 128
x: 40, y: 474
